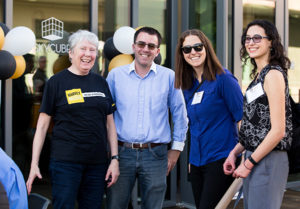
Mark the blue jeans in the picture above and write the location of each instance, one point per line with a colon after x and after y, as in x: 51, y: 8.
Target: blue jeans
x: 149, y: 166
x: 74, y: 181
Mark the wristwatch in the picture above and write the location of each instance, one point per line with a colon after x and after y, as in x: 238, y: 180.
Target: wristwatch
x: 115, y: 157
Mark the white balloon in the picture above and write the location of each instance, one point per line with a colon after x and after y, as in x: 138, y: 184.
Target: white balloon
x: 123, y: 39
x: 19, y: 41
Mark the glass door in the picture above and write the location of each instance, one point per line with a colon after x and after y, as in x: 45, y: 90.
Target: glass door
x: 48, y: 57
x: 255, y: 9
x: 294, y: 72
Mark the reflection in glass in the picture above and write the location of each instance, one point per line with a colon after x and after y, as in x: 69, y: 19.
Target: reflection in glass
x: 154, y: 14
x: 203, y: 16
x: 230, y: 35
x: 1, y: 11
x: 69, y: 15
x: 112, y: 14
x: 255, y: 9
x: 294, y: 48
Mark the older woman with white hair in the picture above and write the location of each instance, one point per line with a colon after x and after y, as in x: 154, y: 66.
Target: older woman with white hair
x: 80, y: 104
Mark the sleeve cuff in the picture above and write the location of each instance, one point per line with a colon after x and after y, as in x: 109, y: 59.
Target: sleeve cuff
x: 178, y: 145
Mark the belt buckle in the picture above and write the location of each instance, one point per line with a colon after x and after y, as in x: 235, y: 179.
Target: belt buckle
x: 132, y: 145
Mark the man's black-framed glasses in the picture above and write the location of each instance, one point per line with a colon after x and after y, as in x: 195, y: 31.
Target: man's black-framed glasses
x: 142, y: 44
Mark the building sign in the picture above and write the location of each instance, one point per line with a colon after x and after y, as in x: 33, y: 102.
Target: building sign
x: 53, y: 30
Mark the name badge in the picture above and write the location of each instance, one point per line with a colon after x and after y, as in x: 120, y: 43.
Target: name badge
x: 255, y: 92
x: 74, y: 96
x: 197, y: 97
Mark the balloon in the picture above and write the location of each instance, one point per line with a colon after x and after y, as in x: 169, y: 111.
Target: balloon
x: 61, y: 46
x: 139, y: 28
x: 4, y: 28
x: 20, y: 67
x: 157, y: 59
x: 1, y: 38
x: 109, y: 49
x: 7, y: 64
x: 123, y: 39
x: 19, y: 41
x: 119, y: 60
x: 61, y: 63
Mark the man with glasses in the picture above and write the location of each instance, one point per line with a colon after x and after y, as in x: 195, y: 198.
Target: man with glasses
x: 144, y: 93
x: 40, y: 78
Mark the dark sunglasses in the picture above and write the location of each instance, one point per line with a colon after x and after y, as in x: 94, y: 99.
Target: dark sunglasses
x: 256, y: 39
x: 197, y: 47
x: 142, y: 44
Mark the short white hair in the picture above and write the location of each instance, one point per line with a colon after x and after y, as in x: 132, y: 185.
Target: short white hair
x: 83, y: 35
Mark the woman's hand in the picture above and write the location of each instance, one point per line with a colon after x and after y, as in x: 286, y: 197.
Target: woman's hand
x: 242, y: 171
x: 34, y: 172
x: 229, y: 164
x: 112, y: 173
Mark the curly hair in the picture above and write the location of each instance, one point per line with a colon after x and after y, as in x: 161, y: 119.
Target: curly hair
x: 277, y: 53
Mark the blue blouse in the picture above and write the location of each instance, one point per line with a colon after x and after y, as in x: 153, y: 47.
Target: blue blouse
x: 213, y: 121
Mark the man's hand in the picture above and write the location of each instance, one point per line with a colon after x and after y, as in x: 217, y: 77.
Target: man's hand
x: 173, y: 156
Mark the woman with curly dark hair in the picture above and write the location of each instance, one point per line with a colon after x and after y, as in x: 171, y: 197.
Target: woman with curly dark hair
x: 265, y: 132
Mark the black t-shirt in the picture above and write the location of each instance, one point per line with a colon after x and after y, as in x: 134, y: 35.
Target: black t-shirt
x: 79, y: 106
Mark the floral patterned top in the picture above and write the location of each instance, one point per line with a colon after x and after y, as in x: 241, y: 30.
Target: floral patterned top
x: 256, y: 121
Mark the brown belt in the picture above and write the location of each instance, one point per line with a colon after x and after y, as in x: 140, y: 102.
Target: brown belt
x: 138, y: 145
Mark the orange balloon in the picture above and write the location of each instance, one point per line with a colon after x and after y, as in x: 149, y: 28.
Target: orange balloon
x: 61, y: 63
x: 20, y: 67
x: 119, y: 60
x: 1, y: 38
x: 137, y: 28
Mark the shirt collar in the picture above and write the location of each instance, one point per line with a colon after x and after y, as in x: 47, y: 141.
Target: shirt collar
x: 132, y: 68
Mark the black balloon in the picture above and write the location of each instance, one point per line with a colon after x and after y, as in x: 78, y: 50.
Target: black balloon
x: 157, y: 59
x: 4, y: 28
x: 7, y: 64
x: 109, y: 49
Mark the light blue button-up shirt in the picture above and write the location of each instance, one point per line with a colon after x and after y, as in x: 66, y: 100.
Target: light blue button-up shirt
x: 143, y: 104
x: 13, y: 182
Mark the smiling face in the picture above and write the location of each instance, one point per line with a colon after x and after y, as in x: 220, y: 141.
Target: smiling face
x: 195, y: 58
x: 83, y: 57
x: 143, y: 55
x: 260, y: 50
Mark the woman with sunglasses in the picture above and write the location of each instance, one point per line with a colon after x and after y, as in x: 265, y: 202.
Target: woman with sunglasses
x: 214, y: 104
x: 265, y: 132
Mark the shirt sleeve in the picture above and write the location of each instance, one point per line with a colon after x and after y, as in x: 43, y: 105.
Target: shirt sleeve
x: 13, y: 183
x: 231, y: 93
x: 48, y: 101
x: 179, y: 117
x: 112, y: 103
x: 110, y: 82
